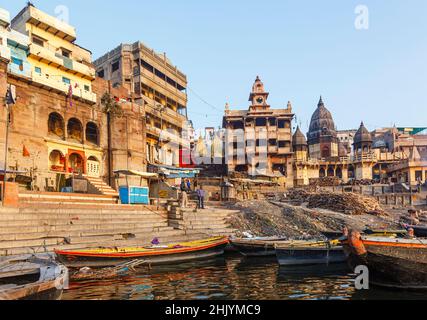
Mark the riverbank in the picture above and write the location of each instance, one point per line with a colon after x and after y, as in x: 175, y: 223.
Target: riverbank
x: 274, y: 218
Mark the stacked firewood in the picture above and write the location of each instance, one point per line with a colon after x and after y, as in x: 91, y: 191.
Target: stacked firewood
x: 325, y: 182
x: 348, y: 203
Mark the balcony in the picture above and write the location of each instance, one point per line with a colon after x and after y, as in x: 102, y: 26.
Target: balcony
x: 167, y: 115
x: 286, y: 150
x: 58, y: 84
x: 49, y: 56
x: 20, y: 71
x: 272, y: 149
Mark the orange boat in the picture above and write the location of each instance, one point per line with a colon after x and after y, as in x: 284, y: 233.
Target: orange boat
x: 392, y: 262
x: 150, y: 255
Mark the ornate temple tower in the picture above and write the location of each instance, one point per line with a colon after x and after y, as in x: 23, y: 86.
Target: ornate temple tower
x: 322, y: 136
x: 300, y: 146
x: 364, y: 159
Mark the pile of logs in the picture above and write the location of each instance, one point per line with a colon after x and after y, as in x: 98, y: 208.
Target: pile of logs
x: 348, y: 203
x: 325, y: 182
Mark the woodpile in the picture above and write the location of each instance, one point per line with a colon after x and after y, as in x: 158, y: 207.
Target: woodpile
x: 325, y: 182
x: 348, y: 203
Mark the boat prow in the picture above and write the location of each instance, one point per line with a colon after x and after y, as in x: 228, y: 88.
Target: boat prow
x: 392, y: 262
x: 32, y: 278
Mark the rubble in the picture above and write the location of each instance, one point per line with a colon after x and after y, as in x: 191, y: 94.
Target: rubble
x: 325, y: 182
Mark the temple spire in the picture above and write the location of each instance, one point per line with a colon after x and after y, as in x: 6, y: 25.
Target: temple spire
x: 321, y: 102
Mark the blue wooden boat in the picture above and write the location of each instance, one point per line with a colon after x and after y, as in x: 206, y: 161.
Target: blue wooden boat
x: 309, y: 253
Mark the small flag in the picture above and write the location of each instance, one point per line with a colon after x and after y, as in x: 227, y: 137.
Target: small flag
x: 70, y: 95
x: 25, y: 152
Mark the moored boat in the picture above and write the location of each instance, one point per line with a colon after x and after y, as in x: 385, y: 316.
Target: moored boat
x: 32, y: 278
x: 150, y: 255
x: 309, y: 253
x: 257, y: 247
x: 392, y: 262
x: 420, y: 231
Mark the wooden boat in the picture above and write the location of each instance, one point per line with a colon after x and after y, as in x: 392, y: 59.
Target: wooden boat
x: 419, y: 231
x: 256, y: 247
x: 309, y: 253
x: 150, y: 255
x: 392, y: 262
x: 32, y: 278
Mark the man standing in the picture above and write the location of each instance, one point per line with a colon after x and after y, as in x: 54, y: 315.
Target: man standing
x: 184, y: 196
x: 201, y: 197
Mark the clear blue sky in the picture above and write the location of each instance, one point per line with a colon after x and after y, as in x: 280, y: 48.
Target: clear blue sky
x: 299, y: 48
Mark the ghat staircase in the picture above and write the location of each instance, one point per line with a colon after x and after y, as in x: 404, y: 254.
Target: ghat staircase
x: 45, y: 222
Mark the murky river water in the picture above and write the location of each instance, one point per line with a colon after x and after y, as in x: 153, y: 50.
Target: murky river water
x: 234, y: 277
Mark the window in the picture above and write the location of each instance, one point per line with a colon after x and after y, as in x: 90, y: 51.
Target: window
x: 65, y: 53
x: 38, y: 41
x: 272, y: 142
x: 87, y: 88
x: 272, y: 122
x: 282, y: 144
x: 115, y: 66
x: 261, y: 122
x: 17, y: 61
x: 101, y: 73
x: 66, y: 80
x: 38, y: 70
x: 282, y: 124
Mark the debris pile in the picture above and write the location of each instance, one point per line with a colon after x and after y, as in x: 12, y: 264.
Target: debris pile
x: 348, y: 203
x: 264, y: 218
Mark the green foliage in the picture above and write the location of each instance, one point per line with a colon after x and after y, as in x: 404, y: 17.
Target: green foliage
x: 111, y: 106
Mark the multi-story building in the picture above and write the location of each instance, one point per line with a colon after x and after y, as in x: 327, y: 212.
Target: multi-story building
x: 259, y: 140
x: 160, y: 87
x: 4, y: 24
x: 57, y: 126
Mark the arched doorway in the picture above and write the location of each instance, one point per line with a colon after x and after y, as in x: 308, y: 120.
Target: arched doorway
x: 93, y: 167
x: 331, y: 172
x: 75, y: 130
x: 322, y: 173
x: 92, y: 133
x: 339, y: 173
x: 56, y: 125
x: 57, y: 161
x: 76, y: 163
x: 351, y: 174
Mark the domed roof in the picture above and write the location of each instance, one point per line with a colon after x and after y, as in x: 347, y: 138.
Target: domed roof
x: 322, y: 122
x: 362, y: 135
x: 299, y: 138
x: 379, y: 144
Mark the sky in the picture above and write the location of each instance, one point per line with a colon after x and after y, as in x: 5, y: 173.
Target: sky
x: 301, y: 49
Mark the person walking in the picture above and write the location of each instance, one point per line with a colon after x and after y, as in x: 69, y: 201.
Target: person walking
x: 188, y: 185
x: 201, y: 198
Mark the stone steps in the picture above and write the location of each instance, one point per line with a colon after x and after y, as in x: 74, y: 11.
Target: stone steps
x: 78, y: 216
x: 38, y: 233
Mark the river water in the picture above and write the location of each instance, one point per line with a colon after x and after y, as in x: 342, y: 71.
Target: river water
x: 234, y: 277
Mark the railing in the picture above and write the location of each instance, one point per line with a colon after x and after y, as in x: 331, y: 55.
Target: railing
x: 24, y: 71
x: 49, y: 53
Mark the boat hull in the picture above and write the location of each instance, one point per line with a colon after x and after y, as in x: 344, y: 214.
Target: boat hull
x: 392, y: 265
x: 309, y: 256
x: 255, y: 250
x: 100, y: 261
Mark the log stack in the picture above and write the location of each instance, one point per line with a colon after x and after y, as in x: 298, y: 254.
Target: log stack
x: 348, y: 203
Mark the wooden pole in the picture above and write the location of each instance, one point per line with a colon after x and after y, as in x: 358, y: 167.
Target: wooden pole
x: 5, y: 152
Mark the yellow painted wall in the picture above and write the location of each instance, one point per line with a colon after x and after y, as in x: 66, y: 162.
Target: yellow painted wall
x: 54, y: 43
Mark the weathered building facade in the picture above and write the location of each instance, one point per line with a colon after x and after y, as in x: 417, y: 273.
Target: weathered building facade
x: 259, y: 140
x: 157, y: 85
x: 59, y: 125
